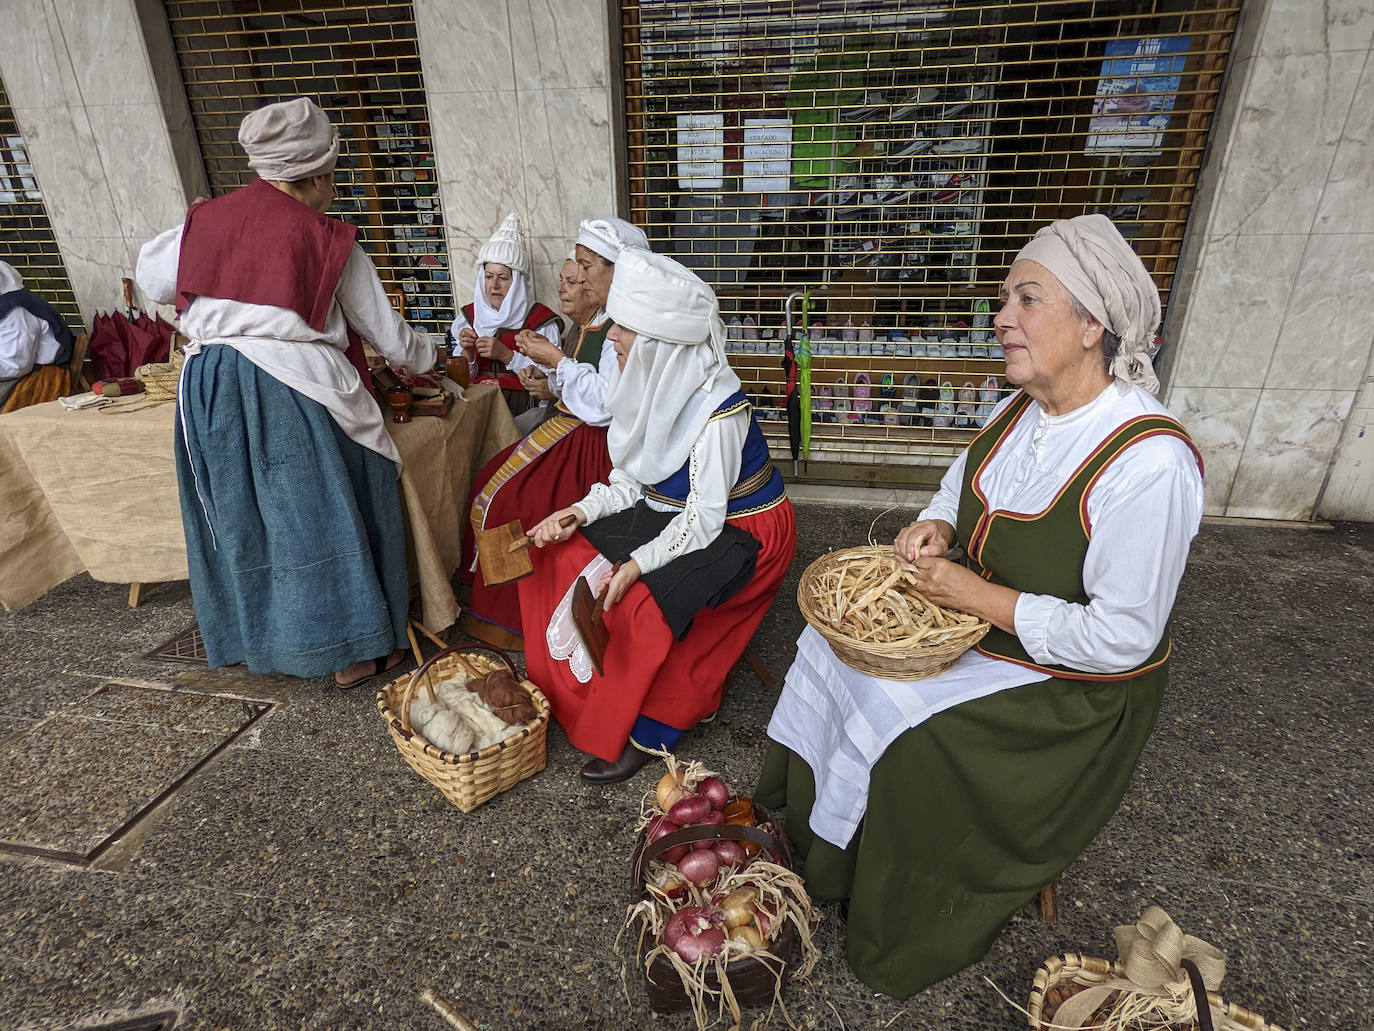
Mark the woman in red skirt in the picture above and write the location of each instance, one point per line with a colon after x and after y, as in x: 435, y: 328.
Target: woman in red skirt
x: 689, y: 540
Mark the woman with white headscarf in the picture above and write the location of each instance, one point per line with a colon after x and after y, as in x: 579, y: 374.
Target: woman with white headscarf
x: 939, y: 806
x: 502, y: 309
x: 694, y: 514
x: 32, y: 334
x: 287, y: 473
x: 558, y: 460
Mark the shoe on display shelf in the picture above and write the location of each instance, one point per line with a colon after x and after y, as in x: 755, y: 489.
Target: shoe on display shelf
x: 910, y: 405
x: 982, y: 319
x: 995, y: 350
x: 951, y: 229
x: 862, y: 404
x: 944, y: 408
x: 961, y: 145
x: 987, y: 398
x: 916, y: 145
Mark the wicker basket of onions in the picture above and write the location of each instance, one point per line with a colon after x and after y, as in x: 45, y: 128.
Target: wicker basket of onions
x: 721, y: 921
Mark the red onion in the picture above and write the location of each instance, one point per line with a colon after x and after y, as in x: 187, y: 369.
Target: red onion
x: 693, y: 932
x: 703, y: 844
x: 660, y: 826
x: 689, y: 810
x: 730, y: 853
x: 672, y: 855
x: 765, y: 919
x: 700, y: 867
x: 713, y: 789
x: 715, y: 818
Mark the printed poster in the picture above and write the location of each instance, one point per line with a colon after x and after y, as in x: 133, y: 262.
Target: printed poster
x: 1136, y: 94
x: 767, y: 155
x: 700, y: 152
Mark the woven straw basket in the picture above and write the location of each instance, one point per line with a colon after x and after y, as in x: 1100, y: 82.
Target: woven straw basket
x: 159, y: 379
x: 901, y: 661
x: 466, y: 780
x: 1070, y: 973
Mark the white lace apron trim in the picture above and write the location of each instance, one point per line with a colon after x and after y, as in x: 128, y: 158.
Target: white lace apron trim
x: 562, y: 637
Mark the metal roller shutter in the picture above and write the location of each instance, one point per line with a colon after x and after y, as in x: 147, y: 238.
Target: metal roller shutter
x: 26, y: 237
x: 890, y: 158
x: 361, y: 63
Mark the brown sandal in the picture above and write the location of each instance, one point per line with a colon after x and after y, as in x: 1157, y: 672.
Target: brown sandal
x: 379, y: 666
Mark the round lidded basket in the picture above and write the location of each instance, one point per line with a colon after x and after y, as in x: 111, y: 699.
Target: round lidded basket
x: 470, y: 779
x: 1062, y: 977
x: 845, y: 592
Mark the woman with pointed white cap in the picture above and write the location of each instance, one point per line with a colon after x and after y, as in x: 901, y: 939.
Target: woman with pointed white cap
x: 487, y: 330
x: 695, y: 515
x: 559, y: 460
x: 939, y: 806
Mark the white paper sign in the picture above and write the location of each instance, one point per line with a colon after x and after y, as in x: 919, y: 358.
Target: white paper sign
x: 700, y: 152
x: 767, y: 155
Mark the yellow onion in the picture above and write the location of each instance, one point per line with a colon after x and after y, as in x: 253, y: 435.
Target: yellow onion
x: 669, y: 790
x: 738, y: 908
x: 748, y: 934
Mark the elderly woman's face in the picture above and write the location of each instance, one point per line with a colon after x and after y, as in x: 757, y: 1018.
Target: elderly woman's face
x: 597, y: 271
x: 1039, y: 331
x: 570, y: 287
x: 622, y: 340
x: 496, y: 280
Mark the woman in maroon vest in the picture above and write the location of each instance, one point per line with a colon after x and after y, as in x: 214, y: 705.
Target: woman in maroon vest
x: 286, y: 471
x: 500, y: 311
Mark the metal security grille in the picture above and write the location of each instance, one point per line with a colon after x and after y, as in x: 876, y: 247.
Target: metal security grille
x: 361, y: 63
x: 888, y: 158
x: 26, y: 237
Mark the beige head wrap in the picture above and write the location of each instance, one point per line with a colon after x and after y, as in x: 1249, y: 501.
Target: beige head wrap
x: 676, y: 374
x: 1097, y: 266
x: 609, y: 236
x: 289, y: 141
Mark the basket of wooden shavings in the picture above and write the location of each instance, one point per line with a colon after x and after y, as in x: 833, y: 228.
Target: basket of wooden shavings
x: 864, y: 602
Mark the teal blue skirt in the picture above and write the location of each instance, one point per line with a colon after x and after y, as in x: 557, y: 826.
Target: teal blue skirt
x: 294, y: 534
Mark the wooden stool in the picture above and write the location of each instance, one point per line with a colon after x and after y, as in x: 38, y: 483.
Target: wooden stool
x: 760, y: 670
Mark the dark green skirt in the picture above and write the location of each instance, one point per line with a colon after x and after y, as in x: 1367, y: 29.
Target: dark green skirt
x: 969, y: 815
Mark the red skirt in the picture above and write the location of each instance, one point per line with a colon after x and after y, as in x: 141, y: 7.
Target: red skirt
x: 550, y: 469
x: 674, y: 682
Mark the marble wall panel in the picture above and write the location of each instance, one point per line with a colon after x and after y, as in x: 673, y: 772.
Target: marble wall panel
x: 1345, y: 206
x: 568, y: 173
x: 136, y: 156
x: 1288, y: 452
x: 1284, y: 142
x: 96, y: 266
x: 1327, y: 336
x: 1234, y: 310
x: 1349, y: 492
x: 1218, y: 419
x: 1309, y: 27
x: 62, y: 149
x: 479, y: 158
x: 462, y: 258
x: 105, y: 42
x: 34, y: 59
x: 465, y: 46
x: 560, y: 44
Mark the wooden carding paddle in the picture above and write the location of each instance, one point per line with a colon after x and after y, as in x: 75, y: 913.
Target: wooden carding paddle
x: 586, y: 613
x: 503, y: 551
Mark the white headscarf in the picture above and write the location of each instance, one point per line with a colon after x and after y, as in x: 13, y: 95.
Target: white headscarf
x: 289, y: 141
x: 676, y: 374
x: 10, y: 279
x: 486, y: 320
x: 609, y: 236
x: 1097, y: 266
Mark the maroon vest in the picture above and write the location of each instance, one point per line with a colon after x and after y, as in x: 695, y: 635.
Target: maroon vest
x: 538, y: 315
x: 258, y: 245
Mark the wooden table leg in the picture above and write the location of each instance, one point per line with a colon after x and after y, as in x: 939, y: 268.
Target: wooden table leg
x: 1049, y: 902
x: 760, y: 670
x: 136, y: 594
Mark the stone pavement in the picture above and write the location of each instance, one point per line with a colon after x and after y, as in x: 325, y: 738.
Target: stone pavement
x: 302, y: 876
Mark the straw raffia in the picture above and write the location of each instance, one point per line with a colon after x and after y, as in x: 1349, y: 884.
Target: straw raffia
x: 470, y: 779
x: 864, y: 603
x: 159, y: 379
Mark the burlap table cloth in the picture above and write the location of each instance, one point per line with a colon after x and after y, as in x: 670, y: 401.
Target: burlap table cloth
x: 96, y: 490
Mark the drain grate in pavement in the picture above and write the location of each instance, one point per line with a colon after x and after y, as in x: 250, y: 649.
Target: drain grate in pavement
x: 151, y: 1022
x: 76, y: 783
x: 187, y: 647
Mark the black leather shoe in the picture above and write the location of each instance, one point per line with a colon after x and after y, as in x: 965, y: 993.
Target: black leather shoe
x: 600, y: 771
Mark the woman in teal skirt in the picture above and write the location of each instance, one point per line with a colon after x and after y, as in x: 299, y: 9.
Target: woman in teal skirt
x: 936, y: 807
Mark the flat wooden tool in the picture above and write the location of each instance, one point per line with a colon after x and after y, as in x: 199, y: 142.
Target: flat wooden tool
x: 503, y: 551
x: 586, y: 614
